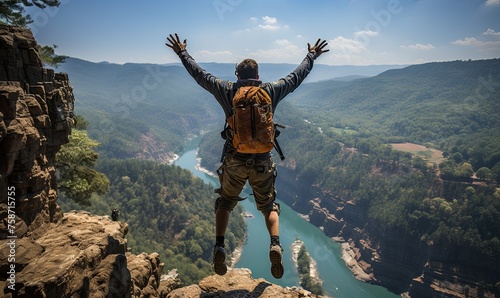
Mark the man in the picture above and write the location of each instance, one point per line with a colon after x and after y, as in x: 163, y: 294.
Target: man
x: 237, y: 168
x: 114, y: 214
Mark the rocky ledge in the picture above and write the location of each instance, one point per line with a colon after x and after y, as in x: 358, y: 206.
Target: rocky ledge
x: 47, y: 253
x: 43, y: 252
x: 82, y: 256
x: 237, y: 283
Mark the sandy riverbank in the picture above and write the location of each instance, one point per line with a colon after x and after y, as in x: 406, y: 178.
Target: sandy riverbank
x: 236, y: 255
x: 202, y: 169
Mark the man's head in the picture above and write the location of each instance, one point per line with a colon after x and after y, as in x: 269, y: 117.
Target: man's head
x: 247, y: 69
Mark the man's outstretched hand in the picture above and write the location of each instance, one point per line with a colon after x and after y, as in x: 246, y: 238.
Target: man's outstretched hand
x: 175, y: 43
x: 318, y: 48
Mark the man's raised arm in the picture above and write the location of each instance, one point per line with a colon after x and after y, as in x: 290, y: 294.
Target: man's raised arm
x: 288, y: 84
x: 205, y: 79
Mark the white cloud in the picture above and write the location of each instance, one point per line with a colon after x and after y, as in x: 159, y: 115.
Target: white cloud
x: 206, y: 55
x: 269, y: 27
x: 266, y: 23
x: 471, y: 41
x: 283, y: 43
x: 270, y: 20
x: 282, y: 50
x: 366, y: 33
x: 492, y: 2
x: 270, y: 23
x: 488, y: 39
x: 419, y: 46
x: 492, y: 32
x: 347, y: 59
x: 346, y: 45
x: 468, y: 41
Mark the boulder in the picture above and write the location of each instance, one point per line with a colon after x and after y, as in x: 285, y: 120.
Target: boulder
x: 237, y: 282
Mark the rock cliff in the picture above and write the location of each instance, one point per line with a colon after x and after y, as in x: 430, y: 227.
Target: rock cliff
x: 45, y: 253
x: 402, y: 263
x: 237, y: 283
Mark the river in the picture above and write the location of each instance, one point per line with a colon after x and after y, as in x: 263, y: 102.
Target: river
x: 338, y: 280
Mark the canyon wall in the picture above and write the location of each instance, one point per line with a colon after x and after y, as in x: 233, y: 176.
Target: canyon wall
x: 402, y: 263
x: 43, y: 252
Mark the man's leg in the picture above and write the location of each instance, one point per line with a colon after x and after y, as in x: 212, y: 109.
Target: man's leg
x: 262, y: 181
x: 232, y: 179
x: 275, y: 251
x: 272, y: 223
x: 221, y: 221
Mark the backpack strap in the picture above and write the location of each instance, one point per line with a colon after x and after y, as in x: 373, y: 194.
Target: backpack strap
x: 276, y: 144
x: 226, y: 135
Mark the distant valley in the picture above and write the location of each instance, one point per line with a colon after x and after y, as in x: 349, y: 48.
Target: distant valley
x: 340, y: 167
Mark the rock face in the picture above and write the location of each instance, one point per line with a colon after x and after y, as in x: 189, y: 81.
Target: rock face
x: 397, y: 261
x: 237, y: 283
x: 36, y: 109
x: 43, y: 252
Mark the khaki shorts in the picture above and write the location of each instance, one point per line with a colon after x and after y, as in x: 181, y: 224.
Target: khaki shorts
x: 260, y: 174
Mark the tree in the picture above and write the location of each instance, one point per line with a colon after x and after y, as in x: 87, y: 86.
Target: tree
x: 483, y: 173
x: 75, y: 165
x: 12, y: 11
x: 48, y: 56
x: 464, y: 170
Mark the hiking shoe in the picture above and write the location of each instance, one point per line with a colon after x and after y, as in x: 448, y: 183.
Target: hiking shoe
x: 219, y: 260
x: 275, y: 256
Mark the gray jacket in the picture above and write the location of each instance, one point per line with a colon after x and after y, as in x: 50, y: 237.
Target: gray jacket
x: 223, y: 91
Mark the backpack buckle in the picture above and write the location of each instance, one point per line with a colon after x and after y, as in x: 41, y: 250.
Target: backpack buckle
x: 227, y: 133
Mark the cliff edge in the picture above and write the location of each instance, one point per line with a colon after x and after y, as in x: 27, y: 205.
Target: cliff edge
x: 43, y: 252
x: 238, y: 283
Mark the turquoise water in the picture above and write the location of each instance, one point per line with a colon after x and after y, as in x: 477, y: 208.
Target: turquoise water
x: 337, y: 278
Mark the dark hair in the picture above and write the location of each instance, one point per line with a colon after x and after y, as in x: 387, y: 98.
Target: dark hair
x: 247, y: 69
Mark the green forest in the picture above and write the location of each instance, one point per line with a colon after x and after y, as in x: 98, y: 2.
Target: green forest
x: 168, y: 211
x: 450, y: 106
x: 344, y: 148
x: 337, y: 138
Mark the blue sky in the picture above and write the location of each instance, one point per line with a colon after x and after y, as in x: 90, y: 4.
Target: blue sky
x: 359, y: 32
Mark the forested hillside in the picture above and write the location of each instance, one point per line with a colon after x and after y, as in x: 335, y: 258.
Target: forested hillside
x: 168, y: 211
x: 344, y: 149
x: 146, y: 112
x: 439, y: 103
x: 136, y: 110
x: 338, y: 140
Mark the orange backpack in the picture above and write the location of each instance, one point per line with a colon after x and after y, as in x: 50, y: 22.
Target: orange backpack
x: 252, y: 127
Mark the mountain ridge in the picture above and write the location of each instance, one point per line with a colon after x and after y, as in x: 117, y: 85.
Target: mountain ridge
x: 377, y: 111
